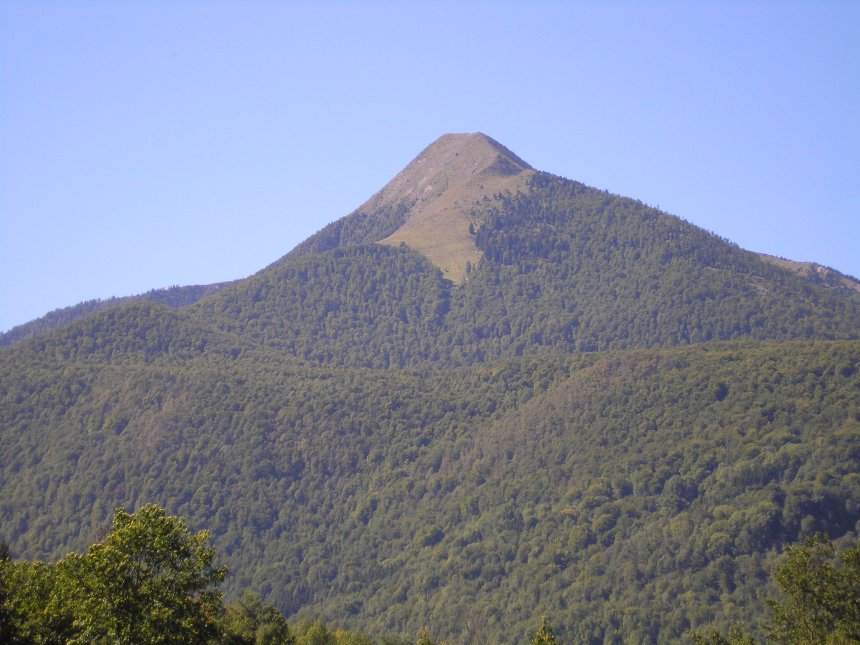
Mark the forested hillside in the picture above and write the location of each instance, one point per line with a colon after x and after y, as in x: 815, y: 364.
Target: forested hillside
x: 173, y: 297
x: 614, y: 418
x: 565, y: 268
x: 635, y: 492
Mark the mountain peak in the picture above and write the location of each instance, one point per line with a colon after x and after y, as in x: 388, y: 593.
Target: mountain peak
x: 440, y: 188
x: 473, y: 153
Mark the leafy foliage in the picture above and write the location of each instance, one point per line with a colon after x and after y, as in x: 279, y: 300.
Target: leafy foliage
x: 150, y: 581
x: 818, y: 599
x: 820, y: 594
x: 544, y: 634
x: 247, y: 621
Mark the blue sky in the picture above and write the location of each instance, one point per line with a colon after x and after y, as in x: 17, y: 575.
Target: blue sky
x: 147, y: 144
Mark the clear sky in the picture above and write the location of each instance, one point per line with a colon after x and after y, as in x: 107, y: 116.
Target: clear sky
x: 147, y: 144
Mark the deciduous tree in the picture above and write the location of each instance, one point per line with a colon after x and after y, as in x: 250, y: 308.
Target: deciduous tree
x: 150, y: 581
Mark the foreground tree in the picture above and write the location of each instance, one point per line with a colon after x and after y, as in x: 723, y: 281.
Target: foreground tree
x: 150, y: 581
x: 820, y: 594
x: 819, y: 600
x: 33, y: 609
x: 247, y: 621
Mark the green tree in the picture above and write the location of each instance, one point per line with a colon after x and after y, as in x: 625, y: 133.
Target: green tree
x: 150, y: 581
x: 33, y: 608
x: 246, y: 621
x: 544, y: 635
x: 423, y: 638
x: 711, y: 636
x: 317, y: 634
x: 820, y: 594
x: 353, y: 638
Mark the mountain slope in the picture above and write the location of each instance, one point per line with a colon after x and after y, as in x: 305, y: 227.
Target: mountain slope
x: 821, y: 275
x: 443, y: 186
x: 530, y: 261
x: 429, y: 204
x: 173, y: 297
x: 564, y: 267
x: 612, y: 417
x: 634, y: 493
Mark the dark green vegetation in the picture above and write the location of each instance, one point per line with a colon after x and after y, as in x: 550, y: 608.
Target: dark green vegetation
x: 818, y: 599
x: 638, y: 492
x: 616, y: 420
x: 150, y: 580
x: 173, y: 297
x: 566, y: 268
x: 821, y: 594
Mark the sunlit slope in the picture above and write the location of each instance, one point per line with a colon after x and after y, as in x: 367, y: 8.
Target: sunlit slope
x: 623, y: 493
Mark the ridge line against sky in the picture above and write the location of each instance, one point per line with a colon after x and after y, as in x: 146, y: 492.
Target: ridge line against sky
x: 144, y: 145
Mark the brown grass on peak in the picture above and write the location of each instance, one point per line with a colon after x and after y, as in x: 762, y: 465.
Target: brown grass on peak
x: 816, y: 273
x: 442, y: 186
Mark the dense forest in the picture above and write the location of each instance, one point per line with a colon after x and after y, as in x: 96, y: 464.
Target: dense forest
x: 616, y: 420
x: 638, y: 492
x: 149, y: 580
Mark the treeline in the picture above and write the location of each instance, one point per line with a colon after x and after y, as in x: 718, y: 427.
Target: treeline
x: 175, y: 297
x: 565, y: 268
x: 355, y: 229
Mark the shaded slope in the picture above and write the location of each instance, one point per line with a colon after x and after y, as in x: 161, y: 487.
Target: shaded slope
x: 368, y: 306
x: 570, y: 267
x: 135, y: 333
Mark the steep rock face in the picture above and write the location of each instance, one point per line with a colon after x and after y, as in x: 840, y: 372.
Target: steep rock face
x: 440, y: 188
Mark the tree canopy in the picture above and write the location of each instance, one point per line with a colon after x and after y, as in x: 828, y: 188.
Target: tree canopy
x: 149, y: 581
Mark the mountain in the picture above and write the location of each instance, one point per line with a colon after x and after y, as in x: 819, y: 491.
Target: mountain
x: 430, y: 205
x: 548, y: 264
x: 595, y: 271
x: 489, y: 393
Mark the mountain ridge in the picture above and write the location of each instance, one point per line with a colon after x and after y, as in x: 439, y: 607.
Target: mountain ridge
x: 442, y: 228
x: 175, y: 296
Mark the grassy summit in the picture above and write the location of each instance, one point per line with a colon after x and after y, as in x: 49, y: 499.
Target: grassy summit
x: 442, y: 187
